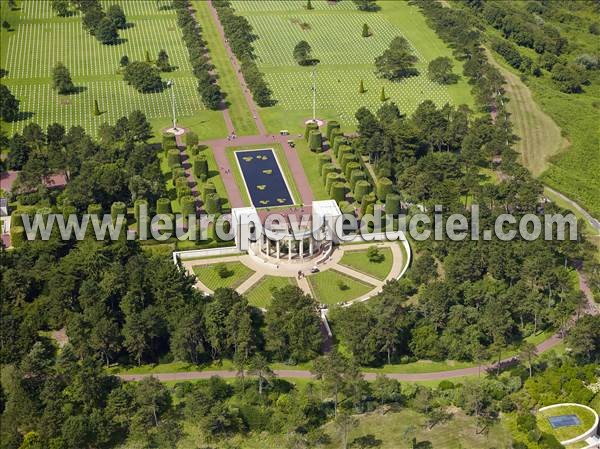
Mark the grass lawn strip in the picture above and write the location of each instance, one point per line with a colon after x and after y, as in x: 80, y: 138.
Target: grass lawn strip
x: 260, y: 294
x: 238, y: 108
x: 358, y: 261
x: 326, y: 287
x: 207, y: 274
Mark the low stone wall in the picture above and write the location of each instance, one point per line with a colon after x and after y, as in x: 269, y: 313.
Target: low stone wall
x: 203, y: 253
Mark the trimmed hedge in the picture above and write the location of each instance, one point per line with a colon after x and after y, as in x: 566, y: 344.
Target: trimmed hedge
x: 392, y: 204
x: 173, y: 158
x: 136, y: 208
x: 328, y: 168
x: 330, y: 179
x: 323, y: 159
x: 183, y: 191
x: 176, y: 173
x: 355, y: 176
x: 207, y: 189
x: 350, y: 167
x: 361, y: 189
x: 330, y: 127
x: 181, y: 182
x: 168, y: 141
x: 338, y: 140
x: 338, y: 191
x: 367, y: 200
x: 17, y: 235
x: 346, y: 159
x: 342, y: 150
x: 212, y: 203
x: 310, y: 127
x: 188, y: 205
x: 315, y: 141
x: 94, y: 209
x: 200, y: 166
x: 118, y: 208
x: 346, y: 207
x: 163, y: 206
x: 384, y: 188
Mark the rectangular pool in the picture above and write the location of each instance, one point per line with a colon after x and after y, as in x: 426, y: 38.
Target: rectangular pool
x: 264, y: 179
x: 564, y: 421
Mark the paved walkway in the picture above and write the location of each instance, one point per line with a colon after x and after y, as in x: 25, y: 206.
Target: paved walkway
x: 406, y: 377
x: 263, y: 267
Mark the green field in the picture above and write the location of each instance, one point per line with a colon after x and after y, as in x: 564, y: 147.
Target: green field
x: 261, y: 293
x: 327, y: 287
x: 40, y: 39
x: 346, y: 58
x: 564, y: 433
x: 208, y: 275
x: 357, y: 260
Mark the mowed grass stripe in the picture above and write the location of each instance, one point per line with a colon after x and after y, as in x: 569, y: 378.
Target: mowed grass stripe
x: 358, y: 261
x: 330, y: 44
x: 261, y: 293
x: 37, y: 47
x: 115, y: 99
x: 209, y: 276
x: 289, y: 5
x: 326, y: 287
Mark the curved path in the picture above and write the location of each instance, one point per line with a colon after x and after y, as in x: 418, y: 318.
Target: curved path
x: 591, y: 308
x: 219, y: 147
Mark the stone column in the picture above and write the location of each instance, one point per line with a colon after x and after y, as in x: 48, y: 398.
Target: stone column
x: 290, y: 244
x: 310, y: 246
x: 268, y: 246
x: 277, y: 249
x: 301, y: 249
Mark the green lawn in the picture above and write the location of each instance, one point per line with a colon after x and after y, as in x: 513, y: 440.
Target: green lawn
x: 238, y: 108
x: 327, y: 287
x: 310, y: 164
x: 346, y: 58
x: 40, y: 39
x: 358, y: 260
x: 260, y: 294
x: 208, y: 275
x: 564, y: 433
x: 286, y: 171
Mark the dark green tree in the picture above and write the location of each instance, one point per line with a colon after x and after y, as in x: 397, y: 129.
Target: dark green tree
x: 9, y: 105
x: 117, y: 15
x: 106, y: 31
x: 397, y: 61
x: 61, y: 79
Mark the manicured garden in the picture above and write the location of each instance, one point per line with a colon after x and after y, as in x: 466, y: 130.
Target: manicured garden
x: 285, y: 168
x: 260, y: 294
x: 377, y: 266
x: 584, y: 416
x: 221, y: 275
x: 332, y: 287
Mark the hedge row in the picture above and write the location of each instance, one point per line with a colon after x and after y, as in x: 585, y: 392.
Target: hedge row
x: 239, y: 32
x: 207, y: 86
